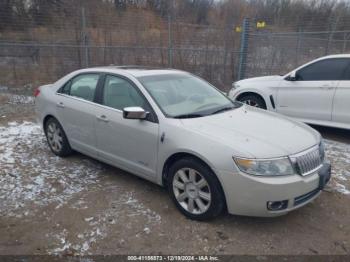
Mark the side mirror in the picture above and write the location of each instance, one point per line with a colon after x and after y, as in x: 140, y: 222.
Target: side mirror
x: 134, y: 113
x: 292, y: 76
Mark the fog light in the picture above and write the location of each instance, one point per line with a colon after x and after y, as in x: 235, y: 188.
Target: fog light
x: 277, y: 205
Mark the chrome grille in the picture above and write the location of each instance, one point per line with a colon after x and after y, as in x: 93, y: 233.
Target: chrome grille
x: 307, y: 162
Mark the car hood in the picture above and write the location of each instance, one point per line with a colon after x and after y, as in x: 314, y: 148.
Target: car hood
x: 255, y: 133
x: 262, y: 79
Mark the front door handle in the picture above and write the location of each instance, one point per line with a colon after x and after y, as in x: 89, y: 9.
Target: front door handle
x: 102, y: 118
x: 60, y: 105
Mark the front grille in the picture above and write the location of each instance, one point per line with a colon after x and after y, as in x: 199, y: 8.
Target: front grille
x: 307, y: 162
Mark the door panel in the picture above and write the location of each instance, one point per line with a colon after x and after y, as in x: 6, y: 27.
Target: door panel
x: 78, y: 122
x: 129, y: 143
x: 341, y: 108
x: 306, y: 99
x: 310, y: 94
x: 75, y: 109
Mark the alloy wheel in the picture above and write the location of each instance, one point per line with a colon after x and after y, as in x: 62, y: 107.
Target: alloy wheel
x: 191, y: 191
x: 251, y: 103
x: 54, y: 136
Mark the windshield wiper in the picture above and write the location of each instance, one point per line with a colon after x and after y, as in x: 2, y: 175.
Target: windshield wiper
x: 188, y: 116
x: 223, y: 110
x: 199, y: 115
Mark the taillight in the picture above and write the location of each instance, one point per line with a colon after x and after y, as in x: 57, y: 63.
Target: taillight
x: 36, y: 92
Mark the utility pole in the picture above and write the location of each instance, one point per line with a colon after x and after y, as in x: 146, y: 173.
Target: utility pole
x: 334, y: 25
x: 345, y: 42
x: 85, y: 38
x: 243, y: 49
x: 300, y: 37
x: 171, y: 12
x: 170, y: 40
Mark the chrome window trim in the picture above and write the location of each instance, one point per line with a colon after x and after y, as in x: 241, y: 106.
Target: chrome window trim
x: 95, y: 104
x: 89, y: 102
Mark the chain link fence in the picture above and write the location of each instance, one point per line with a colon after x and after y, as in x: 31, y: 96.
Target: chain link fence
x: 277, y: 53
x: 31, y: 54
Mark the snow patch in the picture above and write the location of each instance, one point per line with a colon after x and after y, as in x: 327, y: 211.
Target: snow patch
x: 339, y: 155
x: 31, y: 175
x: 20, y: 99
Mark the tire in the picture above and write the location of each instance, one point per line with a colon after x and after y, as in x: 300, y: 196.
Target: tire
x: 201, y: 200
x: 253, y: 100
x: 56, y: 138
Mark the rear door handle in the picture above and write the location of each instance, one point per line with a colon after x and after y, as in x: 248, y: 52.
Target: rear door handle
x: 102, y: 118
x: 60, y: 105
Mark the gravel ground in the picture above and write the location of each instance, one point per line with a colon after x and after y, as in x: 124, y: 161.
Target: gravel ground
x: 79, y: 206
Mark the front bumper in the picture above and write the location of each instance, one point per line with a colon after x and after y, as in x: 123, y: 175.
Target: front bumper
x: 325, y: 175
x: 248, y: 195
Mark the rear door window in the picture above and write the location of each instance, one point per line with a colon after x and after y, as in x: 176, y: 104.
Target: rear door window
x: 82, y: 86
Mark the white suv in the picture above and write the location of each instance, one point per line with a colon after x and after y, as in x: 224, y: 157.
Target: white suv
x: 316, y: 93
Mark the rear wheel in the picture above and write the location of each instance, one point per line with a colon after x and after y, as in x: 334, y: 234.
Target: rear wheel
x: 195, y: 189
x: 56, y: 138
x: 253, y: 100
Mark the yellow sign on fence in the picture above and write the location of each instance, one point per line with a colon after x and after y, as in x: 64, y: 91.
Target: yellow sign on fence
x: 260, y: 24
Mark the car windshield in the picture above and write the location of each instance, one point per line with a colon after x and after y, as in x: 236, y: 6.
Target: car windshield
x: 181, y: 95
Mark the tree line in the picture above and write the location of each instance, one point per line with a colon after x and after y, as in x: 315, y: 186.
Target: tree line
x: 296, y: 14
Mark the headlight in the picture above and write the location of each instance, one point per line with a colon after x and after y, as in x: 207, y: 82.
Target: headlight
x: 322, y: 151
x: 273, y: 167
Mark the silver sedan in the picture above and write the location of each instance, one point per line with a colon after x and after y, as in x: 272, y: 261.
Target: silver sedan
x: 177, y: 130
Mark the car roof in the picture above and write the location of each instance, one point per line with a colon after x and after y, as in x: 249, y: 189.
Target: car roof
x: 137, y: 71
x: 336, y: 56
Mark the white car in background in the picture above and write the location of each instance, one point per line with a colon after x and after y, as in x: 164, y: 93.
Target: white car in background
x: 315, y: 93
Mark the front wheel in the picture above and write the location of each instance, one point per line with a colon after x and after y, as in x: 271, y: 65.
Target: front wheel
x: 195, y: 189
x: 253, y: 100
